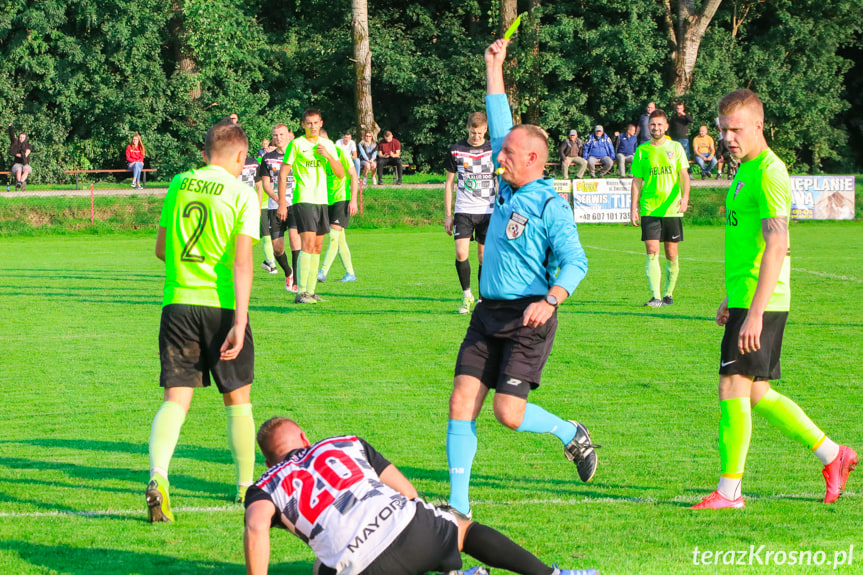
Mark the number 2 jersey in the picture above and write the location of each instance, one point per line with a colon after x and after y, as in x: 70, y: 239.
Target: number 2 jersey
x: 330, y: 495
x: 203, y: 213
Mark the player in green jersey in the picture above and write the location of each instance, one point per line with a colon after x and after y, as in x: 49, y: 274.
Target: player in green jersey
x: 757, y: 271
x: 660, y: 197
x: 208, y: 225
x: 342, y: 205
x: 308, y: 157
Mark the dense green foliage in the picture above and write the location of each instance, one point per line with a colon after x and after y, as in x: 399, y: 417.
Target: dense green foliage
x: 82, y: 76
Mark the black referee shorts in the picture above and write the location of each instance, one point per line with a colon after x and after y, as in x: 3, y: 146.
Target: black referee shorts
x: 762, y: 365
x: 501, y: 352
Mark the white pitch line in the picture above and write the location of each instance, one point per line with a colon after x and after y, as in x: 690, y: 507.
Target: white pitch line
x: 825, y: 275
x: 527, y: 502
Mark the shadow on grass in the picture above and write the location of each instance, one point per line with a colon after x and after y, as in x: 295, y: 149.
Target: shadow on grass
x: 89, y: 561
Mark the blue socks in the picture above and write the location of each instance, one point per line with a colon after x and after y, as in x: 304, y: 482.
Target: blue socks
x: 538, y: 420
x: 460, y: 450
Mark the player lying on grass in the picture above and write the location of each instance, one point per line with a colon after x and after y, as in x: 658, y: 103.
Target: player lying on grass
x: 360, y: 515
x: 757, y: 274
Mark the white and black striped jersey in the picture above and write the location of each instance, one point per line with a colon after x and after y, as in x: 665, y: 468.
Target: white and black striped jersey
x: 250, y: 174
x: 475, y: 179
x: 330, y: 495
x: 271, y: 163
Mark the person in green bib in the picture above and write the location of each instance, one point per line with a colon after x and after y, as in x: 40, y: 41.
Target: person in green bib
x: 308, y: 157
x: 208, y: 225
x: 660, y: 197
x: 342, y: 205
x: 754, y: 312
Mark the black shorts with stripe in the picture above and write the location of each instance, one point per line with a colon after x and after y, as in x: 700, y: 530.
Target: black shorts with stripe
x: 501, y: 352
x: 339, y: 214
x: 190, y: 341
x: 762, y: 365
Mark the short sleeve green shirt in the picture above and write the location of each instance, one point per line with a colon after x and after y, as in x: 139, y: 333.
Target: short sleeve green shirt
x: 761, y: 189
x: 659, y: 167
x: 203, y: 213
x: 337, y: 188
x: 309, y: 168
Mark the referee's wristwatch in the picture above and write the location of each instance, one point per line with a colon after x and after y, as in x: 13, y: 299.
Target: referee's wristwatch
x: 552, y: 301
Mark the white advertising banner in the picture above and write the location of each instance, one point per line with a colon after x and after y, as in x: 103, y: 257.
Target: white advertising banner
x: 605, y: 200
x: 822, y: 197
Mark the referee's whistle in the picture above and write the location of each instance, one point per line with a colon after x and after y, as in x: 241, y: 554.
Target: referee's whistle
x: 499, y: 171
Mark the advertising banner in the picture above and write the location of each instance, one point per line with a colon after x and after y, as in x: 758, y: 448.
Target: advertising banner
x: 605, y: 200
x: 822, y: 197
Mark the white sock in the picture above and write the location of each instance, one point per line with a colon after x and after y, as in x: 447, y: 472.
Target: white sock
x: 729, y: 488
x: 827, y: 451
x: 467, y: 293
x: 160, y: 471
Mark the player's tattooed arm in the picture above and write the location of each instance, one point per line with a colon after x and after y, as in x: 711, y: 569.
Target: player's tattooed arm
x: 774, y: 226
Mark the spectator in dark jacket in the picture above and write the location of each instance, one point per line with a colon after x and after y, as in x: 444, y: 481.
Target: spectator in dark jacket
x: 678, y: 126
x: 20, y: 150
x: 626, y: 149
x: 643, y: 131
x: 598, y: 149
x: 570, y: 153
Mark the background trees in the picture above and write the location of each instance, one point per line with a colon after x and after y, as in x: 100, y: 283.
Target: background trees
x: 82, y: 75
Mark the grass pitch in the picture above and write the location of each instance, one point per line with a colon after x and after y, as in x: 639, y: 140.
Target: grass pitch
x: 80, y: 382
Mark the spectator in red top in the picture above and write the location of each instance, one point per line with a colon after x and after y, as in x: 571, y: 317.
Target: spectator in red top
x: 389, y: 154
x: 135, y: 159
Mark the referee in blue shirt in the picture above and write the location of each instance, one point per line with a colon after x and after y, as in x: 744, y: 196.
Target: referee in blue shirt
x: 533, y: 261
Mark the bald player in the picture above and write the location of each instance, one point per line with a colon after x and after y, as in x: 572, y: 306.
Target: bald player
x: 754, y: 312
x: 208, y: 224
x: 360, y: 515
x: 533, y: 262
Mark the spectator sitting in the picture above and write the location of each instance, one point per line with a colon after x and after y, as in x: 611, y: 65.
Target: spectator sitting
x: 349, y: 147
x: 626, y: 149
x: 20, y: 150
x: 368, y: 151
x: 723, y: 154
x: 570, y: 153
x: 705, y: 152
x: 598, y: 149
x: 389, y: 154
x: 135, y: 160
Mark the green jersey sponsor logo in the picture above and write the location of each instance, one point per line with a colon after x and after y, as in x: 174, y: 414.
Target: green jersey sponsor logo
x: 309, y: 169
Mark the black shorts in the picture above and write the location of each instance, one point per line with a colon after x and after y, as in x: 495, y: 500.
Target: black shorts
x: 762, y: 365
x: 265, y: 222
x: 471, y: 227
x: 428, y: 543
x: 279, y: 227
x: 190, y: 338
x: 312, y: 218
x: 662, y: 229
x: 339, y: 214
x: 501, y: 352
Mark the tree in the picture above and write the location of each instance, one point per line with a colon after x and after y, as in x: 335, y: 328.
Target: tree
x: 363, y: 69
x: 685, y: 38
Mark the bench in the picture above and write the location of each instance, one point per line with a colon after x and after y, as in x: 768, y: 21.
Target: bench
x: 77, y: 172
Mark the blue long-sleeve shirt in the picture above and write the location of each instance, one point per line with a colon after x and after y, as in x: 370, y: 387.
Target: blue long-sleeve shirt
x: 532, y: 242
x: 627, y: 144
x: 598, y: 148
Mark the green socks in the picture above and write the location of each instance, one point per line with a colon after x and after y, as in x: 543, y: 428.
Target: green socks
x: 332, y: 250
x: 241, y: 441
x: 735, y: 431
x: 312, y: 277
x: 787, y: 417
x: 654, y: 274
x: 345, y: 254
x: 164, y: 435
x: 301, y: 275
x: 267, y: 245
x: 672, y: 270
